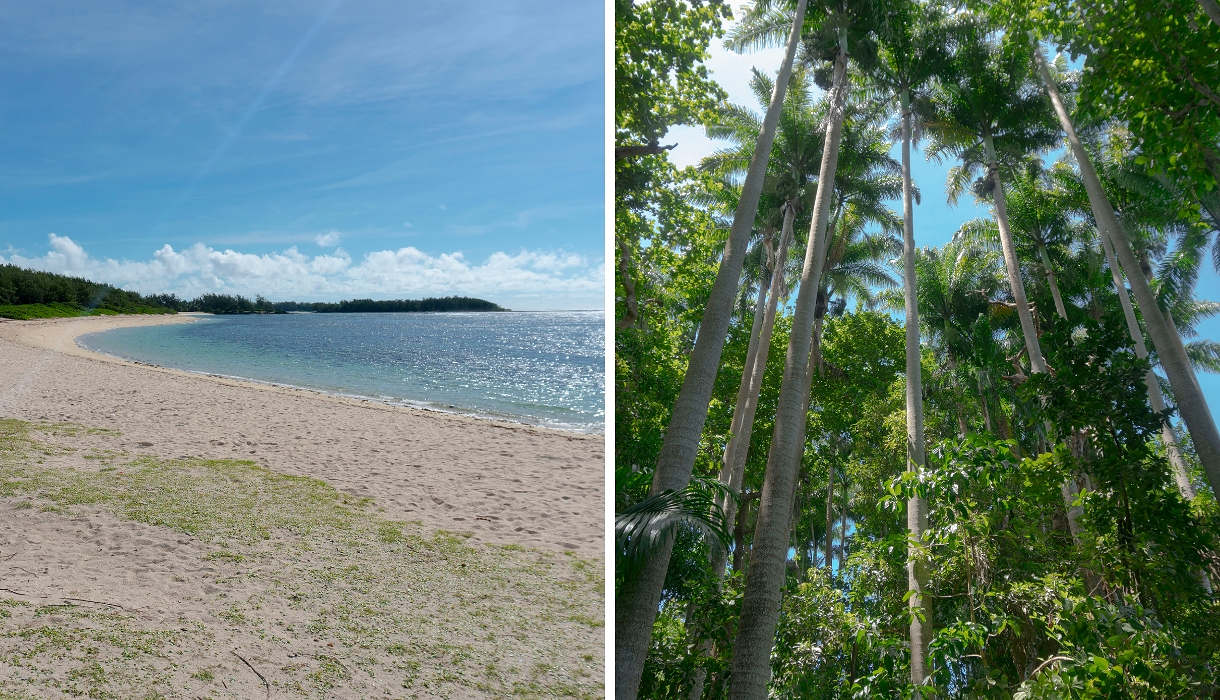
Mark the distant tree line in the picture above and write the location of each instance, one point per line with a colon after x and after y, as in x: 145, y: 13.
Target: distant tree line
x: 237, y: 304
x: 369, y: 305
x: 59, y: 295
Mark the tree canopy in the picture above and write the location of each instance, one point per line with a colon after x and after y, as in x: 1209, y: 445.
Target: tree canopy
x: 1055, y: 532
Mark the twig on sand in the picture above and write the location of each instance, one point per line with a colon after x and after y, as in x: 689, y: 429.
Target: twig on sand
x: 65, y: 604
x: 260, y: 676
x: 98, y: 602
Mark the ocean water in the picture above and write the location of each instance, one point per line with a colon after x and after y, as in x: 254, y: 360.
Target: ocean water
x: 542, y: 368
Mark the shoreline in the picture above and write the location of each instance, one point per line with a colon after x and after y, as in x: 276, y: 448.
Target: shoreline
x: 56, y: 334
x: 446, y: 470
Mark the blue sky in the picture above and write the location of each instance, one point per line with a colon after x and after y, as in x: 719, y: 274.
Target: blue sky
x: 312, y: 149
x: 935, y: 219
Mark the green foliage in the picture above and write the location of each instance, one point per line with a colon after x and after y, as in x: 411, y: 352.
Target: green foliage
x: 26, y: 294
x: 1115, y: 650
x: 667, y: 254
x: 1064, y: 562
x: 1138, y: 71
x: 642, y: 526
x: 237, y: 304
x: 659, y: 76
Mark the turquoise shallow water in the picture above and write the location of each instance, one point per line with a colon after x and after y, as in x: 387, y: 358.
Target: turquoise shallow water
x: 543, y: 368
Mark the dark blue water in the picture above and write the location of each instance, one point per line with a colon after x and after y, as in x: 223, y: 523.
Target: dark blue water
x: 544, y: 368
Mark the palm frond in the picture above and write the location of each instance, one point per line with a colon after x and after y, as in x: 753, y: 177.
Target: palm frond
x: 1204, y: 355
x: 641, y: 528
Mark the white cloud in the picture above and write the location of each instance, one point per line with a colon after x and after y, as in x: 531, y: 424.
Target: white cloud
x: 527, y: 279
x: 327, y: 240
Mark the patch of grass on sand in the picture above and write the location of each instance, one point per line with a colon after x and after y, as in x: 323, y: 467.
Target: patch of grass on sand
x: 24, y: 312
x: 80, y: 651
x: 366, y: 604
x: 215, y: 500
x: 29, y: 311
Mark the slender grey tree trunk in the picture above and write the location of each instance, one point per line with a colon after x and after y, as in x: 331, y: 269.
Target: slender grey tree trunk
x: 984, y: 404
x: 739, y: 444
x: 1172, y: 354
x: 951, y: 364
x: 1212, y: 9
x: 917, y: 508
x: 843, y: 527
x: 638, y: 595
x: 743, y: 387
x: 1036, y: 362
x: 1155, y: 399
x: 751, y: 667
x: 1052, y: 281
x: 828, y: 547
x: 718, y: 555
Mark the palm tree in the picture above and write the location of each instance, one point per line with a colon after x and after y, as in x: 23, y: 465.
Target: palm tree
x: 854, y: 267
x: 789, y: 171
x: 990, y: 115
x: 844, y: 22
x: 1170, y: 350
x: 1040, y: 214
x: 911, y: 54
x: 796, y: 145
x: 1142, y: 207
x: 637, y: 598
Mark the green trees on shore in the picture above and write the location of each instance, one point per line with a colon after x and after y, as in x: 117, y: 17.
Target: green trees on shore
x: 237, y: 304
x: 33, y: 294
x: 1015, y: 457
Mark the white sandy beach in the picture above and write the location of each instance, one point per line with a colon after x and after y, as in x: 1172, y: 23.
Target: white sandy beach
x: 355, y: 610
x: 504, y: 482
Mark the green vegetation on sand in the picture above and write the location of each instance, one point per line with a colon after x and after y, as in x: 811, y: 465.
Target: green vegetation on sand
x: 316, y: 589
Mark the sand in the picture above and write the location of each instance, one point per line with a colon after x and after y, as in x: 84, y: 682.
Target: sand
x: 196, y: 578
x: 504, y: 482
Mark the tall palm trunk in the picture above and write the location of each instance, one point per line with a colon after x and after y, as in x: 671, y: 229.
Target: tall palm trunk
x: 1036, y: 362
x: 917, y: 508
x: 638, y: 595
x: 1071, y: 487
x: 828, y: 548
x: 1170, y: 350
x: 951, y: 364
x: 747, y: 376
x: 732, y: 474
x: 843, y: 527
x: 984, y: 403
x: 751, y: 668
x: 739, y: 444
x: 1052, y: 281
x: 1155, y: 399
